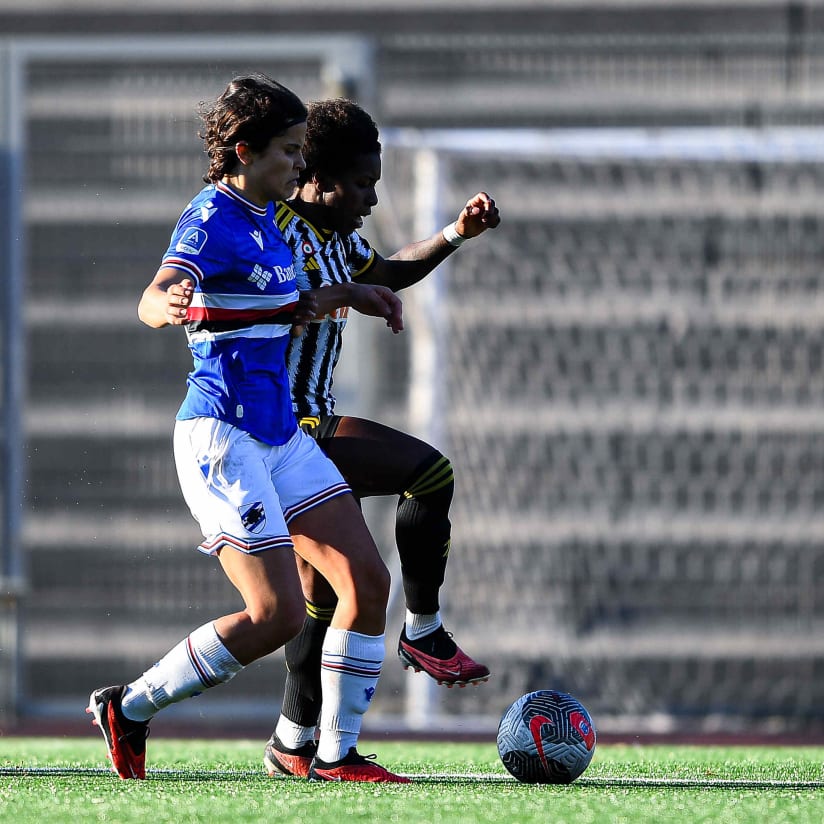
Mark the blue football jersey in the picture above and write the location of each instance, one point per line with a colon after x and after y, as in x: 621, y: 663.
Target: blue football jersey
x: 241, y: 312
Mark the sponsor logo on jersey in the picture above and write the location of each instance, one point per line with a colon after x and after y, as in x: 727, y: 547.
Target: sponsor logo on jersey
x: 192, y: 241
x: 261, y: 277
x: 339, y: 314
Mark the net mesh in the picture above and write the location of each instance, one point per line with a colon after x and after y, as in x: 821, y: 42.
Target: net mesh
x: 631, y: 375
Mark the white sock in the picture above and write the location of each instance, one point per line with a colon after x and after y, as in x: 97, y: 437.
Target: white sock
x: 419, y: 625
x: 350, y: 668
x: 198, y: 662
x: 293, y: 735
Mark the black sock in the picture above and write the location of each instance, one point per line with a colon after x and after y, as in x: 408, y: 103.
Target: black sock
x: 302, y: 693
x: 422, y: 532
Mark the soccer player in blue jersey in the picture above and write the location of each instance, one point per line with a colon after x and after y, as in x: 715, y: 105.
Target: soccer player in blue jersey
x: 337, y: 190
x: 256, y: 483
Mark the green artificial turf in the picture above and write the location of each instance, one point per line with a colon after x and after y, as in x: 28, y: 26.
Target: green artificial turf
x: 66, y: 780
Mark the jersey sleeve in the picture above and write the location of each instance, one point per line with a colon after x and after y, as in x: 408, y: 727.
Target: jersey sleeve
x: 360, y: 256
x: 199, y: 249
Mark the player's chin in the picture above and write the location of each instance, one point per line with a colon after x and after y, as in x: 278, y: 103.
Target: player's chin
x: 290, y: 189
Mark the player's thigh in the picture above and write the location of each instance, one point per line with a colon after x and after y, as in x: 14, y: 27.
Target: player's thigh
x: 324, y: 519
x: 375, y: 459
x: 267, y: 581
x: 334, y: 539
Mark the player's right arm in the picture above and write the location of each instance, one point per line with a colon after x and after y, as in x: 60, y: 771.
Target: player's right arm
x: 165, y: 300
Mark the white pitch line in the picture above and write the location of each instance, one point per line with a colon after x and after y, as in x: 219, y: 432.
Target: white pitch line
x: 709, y: 783
x: 633, y: 782
x: 494, y: 778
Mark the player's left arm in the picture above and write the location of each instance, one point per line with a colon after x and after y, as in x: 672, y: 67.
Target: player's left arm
x: 366, y: 298
x: 416, y: 260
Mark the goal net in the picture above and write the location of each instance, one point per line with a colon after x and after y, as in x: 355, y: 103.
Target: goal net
x: 628, y: 375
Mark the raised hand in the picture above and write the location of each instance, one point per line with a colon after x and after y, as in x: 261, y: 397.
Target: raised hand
x: 479, y: 214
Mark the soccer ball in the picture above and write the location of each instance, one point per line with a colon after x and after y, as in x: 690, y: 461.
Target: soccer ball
x: 546, y: 737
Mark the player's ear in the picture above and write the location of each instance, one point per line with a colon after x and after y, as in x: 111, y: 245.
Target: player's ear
x: 244, y: 152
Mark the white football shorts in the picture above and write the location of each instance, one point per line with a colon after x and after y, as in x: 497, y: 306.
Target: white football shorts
x: 243, y: 492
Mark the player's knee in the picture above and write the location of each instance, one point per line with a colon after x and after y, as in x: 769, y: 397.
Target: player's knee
x: 370, y: 589
x: 316, y: 589
x: 379, y: 584
x: 273, y: 624
x: 290, y: 619
x: 432, y: 480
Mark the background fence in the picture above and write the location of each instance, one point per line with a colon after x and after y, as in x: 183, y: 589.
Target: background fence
x: 627, y: 374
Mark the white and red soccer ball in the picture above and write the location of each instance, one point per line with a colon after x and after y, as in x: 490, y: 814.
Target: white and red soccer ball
x: 546, y: 737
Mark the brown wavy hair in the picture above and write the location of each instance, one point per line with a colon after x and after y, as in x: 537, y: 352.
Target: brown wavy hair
x: 253, y: 109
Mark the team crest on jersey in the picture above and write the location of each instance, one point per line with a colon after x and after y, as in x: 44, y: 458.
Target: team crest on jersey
x: 253, y: 517
x: 309, y: 264
x: 192, y: 241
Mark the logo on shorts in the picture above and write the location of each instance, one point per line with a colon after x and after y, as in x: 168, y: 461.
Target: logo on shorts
x: 253, y: 517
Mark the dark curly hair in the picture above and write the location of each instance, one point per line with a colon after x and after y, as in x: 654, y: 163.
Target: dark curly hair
x: 253, y: 109
x: 337, y: 133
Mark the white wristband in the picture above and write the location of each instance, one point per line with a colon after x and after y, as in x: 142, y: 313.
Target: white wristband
x: 451, y: 236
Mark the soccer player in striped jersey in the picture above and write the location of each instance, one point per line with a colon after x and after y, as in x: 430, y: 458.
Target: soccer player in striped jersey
x: 256, y: 483
x: 321, y: 225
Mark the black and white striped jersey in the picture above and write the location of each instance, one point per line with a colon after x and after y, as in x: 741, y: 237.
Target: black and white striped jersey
x: 322, y: 257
